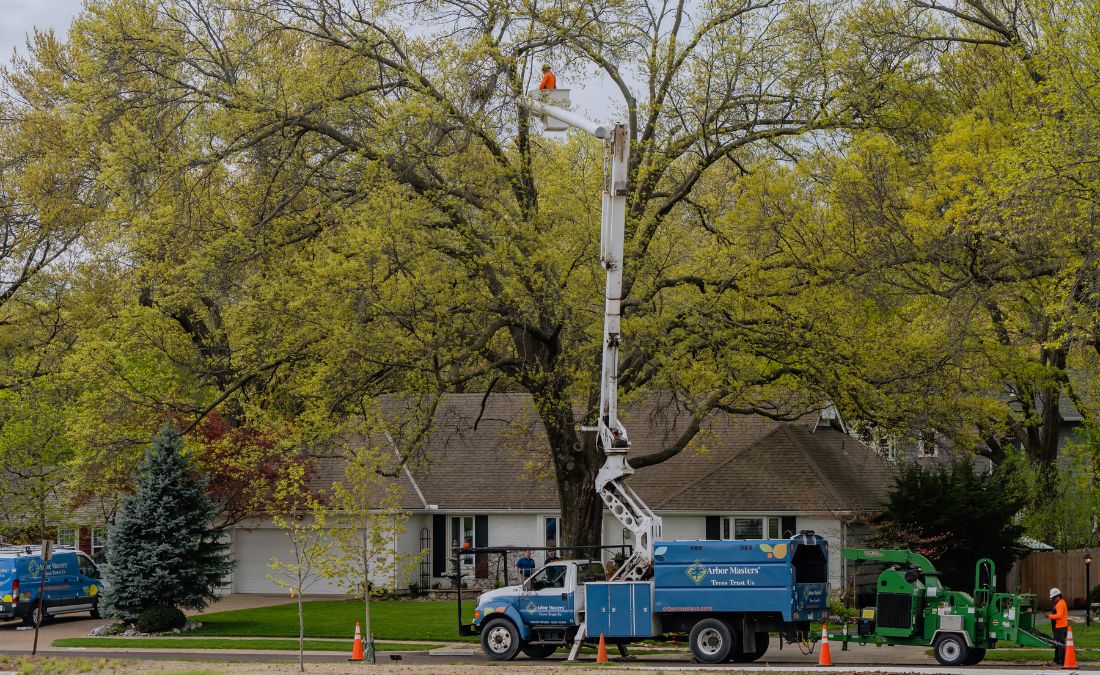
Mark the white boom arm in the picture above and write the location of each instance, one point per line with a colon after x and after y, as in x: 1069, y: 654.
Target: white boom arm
x: 624, y: 503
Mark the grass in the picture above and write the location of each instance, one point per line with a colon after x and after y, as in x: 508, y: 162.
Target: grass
x: 425, y: 620
x: 48, y: 665
x: 1041, y: 655
x: 215, y: 643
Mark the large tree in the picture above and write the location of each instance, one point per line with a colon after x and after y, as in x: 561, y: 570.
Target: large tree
x: 331, y: 206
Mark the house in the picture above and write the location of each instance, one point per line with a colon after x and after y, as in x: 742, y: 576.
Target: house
x: 43, y: 504
x: 487, y: 481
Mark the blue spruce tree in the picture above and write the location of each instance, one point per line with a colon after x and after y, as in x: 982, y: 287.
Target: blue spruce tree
x: 164, y: 548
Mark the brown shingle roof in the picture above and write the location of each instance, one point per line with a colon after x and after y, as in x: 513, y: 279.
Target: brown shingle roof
x: 495, y: 458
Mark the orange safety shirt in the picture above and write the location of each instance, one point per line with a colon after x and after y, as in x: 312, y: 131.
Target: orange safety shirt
x: 548, y: 81
x: 1060, y: 616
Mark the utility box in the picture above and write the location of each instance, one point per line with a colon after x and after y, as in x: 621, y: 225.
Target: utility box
x: 554, y: 97
x: 620, y: 609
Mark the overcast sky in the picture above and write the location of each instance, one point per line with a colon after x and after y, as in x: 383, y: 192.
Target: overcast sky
x: 18, y: 18
x: 594, y: 97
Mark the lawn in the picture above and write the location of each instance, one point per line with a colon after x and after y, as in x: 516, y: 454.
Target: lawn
x: 215, y: 643
x: 1041, y: 655
x: 427, y: 620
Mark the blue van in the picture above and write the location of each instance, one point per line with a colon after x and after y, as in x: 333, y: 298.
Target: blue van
x: 73, y: 584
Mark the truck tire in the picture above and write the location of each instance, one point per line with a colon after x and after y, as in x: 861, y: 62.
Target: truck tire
x: 738, y: 656
x: 711, y: 641
x: 500, y: 640
x: 951, y: 649
x: 96, y: 614
x: 539, y: 651
x: 976, y: 656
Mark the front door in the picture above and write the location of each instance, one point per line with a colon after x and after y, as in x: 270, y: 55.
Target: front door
x: 547, y: 597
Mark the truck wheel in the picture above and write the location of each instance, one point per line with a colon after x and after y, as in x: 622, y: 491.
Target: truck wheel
x: 711, y: 641
x: 738, y: 656
x: 96, y: 614
x: 500, y: 640
x: 951, y: 650
x: 975, y: 656
x: 539, y: 651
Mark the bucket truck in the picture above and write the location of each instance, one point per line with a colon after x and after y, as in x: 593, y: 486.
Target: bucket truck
x: 727, y: 595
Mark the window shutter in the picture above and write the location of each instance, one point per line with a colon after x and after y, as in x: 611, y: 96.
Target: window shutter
x: 714, y: 527
x: 788, y: 528
x: 481, y: 530
x: 439, y: 545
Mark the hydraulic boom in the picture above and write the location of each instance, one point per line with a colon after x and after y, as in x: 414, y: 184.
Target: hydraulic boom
x: 624, y: 503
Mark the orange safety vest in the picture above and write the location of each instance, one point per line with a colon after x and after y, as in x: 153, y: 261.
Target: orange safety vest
x: 548, y: 81
x: 1060, y: 616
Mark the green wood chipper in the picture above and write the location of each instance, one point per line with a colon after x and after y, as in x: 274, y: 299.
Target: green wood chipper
x: 912, y: 607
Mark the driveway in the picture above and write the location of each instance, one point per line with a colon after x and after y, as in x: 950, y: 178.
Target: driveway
x: 79, y: 624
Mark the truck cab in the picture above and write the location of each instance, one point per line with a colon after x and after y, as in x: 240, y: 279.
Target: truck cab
x: 537, y: 616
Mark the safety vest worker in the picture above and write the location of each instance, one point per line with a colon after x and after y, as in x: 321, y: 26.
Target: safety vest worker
x: 549, y: 81
x: 1060, y: 615
x: 1059, y: 621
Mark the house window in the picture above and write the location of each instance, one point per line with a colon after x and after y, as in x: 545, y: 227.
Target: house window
x: 552, y: 531
x: 748, y: 527
x: 462, y: 534
x: 99, y: 540
x: 927, y: 447
x: 67, y: 537
x: 886, y: 444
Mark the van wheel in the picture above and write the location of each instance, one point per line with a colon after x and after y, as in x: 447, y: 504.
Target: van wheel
x: 96, y: 614
x: 500, y: 640
x: 711, y: 641
x: 539, y: 651
x: 34, y: 618
x: 951, y: 650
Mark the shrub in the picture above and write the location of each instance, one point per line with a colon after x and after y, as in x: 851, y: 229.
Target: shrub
x: 161, y: 619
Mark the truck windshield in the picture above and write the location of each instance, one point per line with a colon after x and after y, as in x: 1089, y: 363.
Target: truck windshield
x: 549, y: 577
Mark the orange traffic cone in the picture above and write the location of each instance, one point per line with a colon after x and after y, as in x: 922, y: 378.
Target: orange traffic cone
x: 1070, y: 662
x: 357, y: 645
x: 826, y: 658
x: 601, y: 653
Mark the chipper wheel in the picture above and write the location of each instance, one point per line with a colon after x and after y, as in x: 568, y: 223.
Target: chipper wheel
x: 976, y: 655
x: 951, y: 650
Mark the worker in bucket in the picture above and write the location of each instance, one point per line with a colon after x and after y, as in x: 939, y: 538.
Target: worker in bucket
x: 1059, y: 622
x: 549, y: 81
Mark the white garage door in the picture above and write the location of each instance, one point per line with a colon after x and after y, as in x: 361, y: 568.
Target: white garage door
x: 254, y: 551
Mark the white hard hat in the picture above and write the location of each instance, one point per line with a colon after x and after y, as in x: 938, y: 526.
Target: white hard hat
x: 1054, y: 592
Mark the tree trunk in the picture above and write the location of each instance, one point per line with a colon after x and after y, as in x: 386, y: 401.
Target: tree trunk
x: 577, y: 460
x: 301, y: 628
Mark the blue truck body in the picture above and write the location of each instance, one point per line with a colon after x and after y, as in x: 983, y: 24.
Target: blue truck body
x: 740, y: 590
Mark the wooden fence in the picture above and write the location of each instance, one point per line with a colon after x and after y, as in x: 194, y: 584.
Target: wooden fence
x: 1038, y: 572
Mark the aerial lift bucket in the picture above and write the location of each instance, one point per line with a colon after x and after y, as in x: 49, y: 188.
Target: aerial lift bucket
x: 554, y: 97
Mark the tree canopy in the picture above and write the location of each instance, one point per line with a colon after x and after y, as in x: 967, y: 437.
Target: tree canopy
x: 258, y: 217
